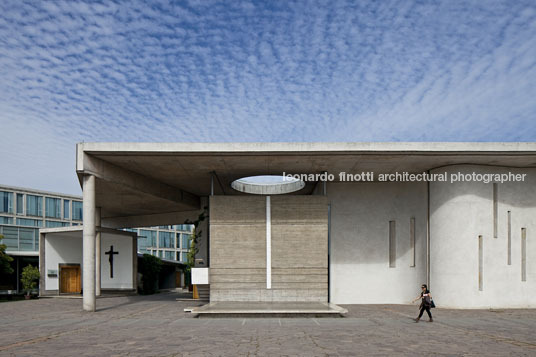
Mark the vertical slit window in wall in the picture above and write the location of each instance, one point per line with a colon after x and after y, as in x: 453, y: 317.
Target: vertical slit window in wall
x: 495, y: 209
x: 523, y: 254
x: 392, y: 245
x: 509, y: 238
x: 412, y: 240
x: 480, y: 263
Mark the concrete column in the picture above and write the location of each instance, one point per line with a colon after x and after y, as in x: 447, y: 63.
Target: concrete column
x: 98, y: 252
x: 42, y: 265
x: 88, y: 258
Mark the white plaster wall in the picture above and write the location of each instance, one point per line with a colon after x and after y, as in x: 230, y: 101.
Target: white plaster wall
x: 460, y: 212
x: 67, y: 249
x: 60, y: 249
x: 360, y: 215
x: 122, y: 262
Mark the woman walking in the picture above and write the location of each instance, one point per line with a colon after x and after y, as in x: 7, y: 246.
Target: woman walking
x: 426, y: 303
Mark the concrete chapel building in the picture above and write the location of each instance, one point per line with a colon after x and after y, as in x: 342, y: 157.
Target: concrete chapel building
x: 375, y: 222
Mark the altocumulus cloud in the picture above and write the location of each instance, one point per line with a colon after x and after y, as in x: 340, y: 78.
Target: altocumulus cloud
x: 250, y: 71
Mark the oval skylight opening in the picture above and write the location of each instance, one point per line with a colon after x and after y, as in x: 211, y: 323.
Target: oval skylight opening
x: 268, y: 184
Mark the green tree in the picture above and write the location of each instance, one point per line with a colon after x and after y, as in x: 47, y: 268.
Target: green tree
x: 29, y: 278
x: 150, y: 267
x: 5, y: 260
x: 194, y: 239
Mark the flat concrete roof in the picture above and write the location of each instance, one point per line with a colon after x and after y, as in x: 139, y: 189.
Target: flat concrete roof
x: 276, y: 147
x: 76, y: 231
x: 170, y: 177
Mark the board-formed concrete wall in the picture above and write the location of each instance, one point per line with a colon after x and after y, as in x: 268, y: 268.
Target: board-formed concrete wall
x: 238, y: 248
x: 463, y: 211
x: 361, y: 213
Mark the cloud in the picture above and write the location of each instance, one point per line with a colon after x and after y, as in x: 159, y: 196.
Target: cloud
x: 250, y: 71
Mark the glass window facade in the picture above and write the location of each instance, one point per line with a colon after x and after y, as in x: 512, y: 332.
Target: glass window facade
x: 6, y: 202
x: 165, y: 239
x: 6, y: 220
x: 20, y: 203
x: 11, y: 237
x: 183, y: 227
x: 36, y: 210
x: 54, y: 224
x: 184, y: 257
x: 20, y: 238
x: 53, y: 207
x: 185, y: 240
x: 26, y: 239
x: 66, y: 209
x: 77, y: 210
x: 34, y: 205
x: 29, y: 222
x: 146, y: 239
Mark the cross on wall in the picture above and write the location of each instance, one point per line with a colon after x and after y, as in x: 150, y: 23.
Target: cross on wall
x: 111, y: 254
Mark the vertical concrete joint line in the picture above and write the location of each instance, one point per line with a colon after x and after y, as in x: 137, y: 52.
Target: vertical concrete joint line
x: 268, y: 244
x: 495, y: 210
x: 480, y: 263
x: 523, y: 254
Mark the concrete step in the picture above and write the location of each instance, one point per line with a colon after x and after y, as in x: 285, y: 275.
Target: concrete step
x: 204, y: 292
x: 269, y: 309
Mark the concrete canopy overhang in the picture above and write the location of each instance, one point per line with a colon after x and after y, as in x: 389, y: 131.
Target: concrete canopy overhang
x: 144, y: 179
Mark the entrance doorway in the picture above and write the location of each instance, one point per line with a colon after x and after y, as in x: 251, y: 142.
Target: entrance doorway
x: 70, y: 279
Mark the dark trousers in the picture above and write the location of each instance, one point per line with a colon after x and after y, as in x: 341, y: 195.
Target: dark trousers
x: 427, y: 308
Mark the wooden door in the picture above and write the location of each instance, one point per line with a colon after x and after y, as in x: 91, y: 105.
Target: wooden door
x: 70, y: 280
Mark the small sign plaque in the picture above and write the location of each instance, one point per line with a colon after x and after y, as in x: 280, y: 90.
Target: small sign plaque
x: 52, y: 273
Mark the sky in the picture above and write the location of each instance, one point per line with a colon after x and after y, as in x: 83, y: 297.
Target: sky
x: 248, y: 71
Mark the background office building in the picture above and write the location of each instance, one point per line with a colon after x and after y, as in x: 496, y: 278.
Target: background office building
x: 24, y: 211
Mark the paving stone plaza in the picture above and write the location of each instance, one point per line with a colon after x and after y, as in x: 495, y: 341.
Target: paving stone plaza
x: 157, y: 326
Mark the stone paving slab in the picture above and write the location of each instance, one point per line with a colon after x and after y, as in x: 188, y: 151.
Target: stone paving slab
x: 157, y: 326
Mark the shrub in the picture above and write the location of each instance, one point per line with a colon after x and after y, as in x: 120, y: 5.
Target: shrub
x: 5, y: 260
x: 150, y: 268
x: 29, y: 279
